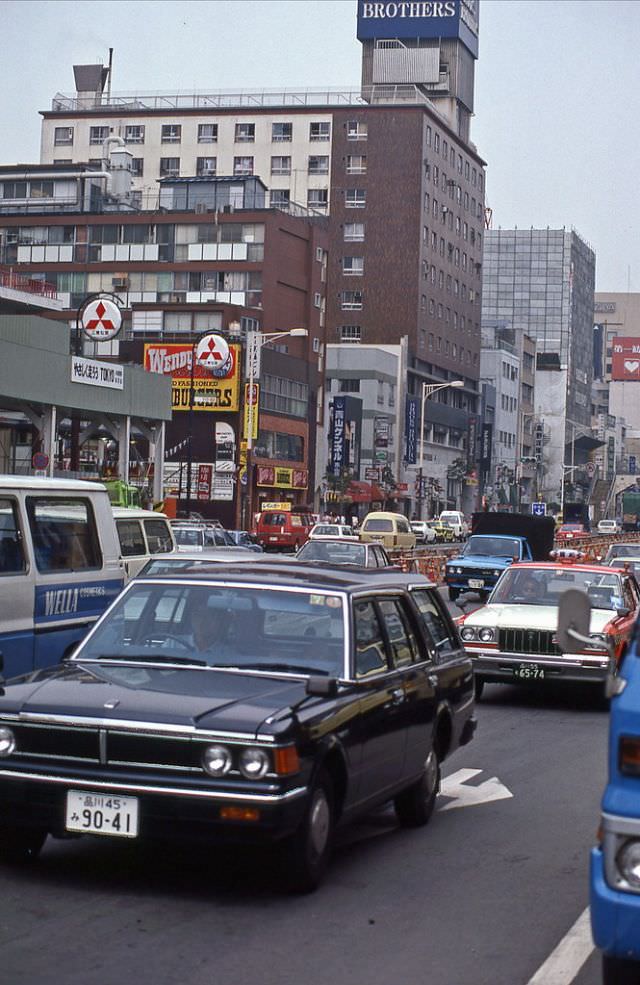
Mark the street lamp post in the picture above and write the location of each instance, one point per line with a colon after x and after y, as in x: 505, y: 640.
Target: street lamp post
x: 428, y: 389
x: 255, y: 342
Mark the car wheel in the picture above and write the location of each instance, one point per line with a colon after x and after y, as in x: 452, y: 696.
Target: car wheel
x: 308, y: 850
x: 453, y: 594
x: 478, y: 687
x: 19, y: 845
x: 619, y: 971
x: 414, y: 806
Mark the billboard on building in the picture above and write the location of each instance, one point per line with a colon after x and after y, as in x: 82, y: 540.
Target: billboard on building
x: 387, y: 19
x: 210, y: 393
x: 625, y: 358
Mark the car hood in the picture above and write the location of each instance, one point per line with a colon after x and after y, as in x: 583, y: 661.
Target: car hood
x: 480, y: 560
x: 186, y: 697
x: 530, y: 617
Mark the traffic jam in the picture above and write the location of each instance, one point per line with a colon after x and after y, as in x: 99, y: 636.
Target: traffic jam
x: 174, y: 681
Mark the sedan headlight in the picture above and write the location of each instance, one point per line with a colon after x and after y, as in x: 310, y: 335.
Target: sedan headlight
x: 254, y: 763
x: 487, y: 635
x: 628, y: 861
x: 7, y: 742
x: 216, y: 760
x: 468, y: 633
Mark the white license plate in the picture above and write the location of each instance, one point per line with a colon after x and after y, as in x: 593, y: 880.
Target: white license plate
x: 529, y: 672
x: 102, y: 814
x: 273, y: 538
x: 476, y: 582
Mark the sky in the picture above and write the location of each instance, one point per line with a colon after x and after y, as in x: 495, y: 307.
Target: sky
x: 557, y: 93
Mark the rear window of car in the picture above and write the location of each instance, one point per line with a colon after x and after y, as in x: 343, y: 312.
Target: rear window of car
x: 383, y: 526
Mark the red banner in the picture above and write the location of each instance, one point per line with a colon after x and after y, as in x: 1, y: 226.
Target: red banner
x: 625, y: 359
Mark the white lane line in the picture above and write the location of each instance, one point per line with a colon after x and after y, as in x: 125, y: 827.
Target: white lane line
x: 564, y: 963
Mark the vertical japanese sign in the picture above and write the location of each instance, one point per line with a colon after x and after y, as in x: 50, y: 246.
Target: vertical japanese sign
x: 337, y: 435
x: 250, y: 410
x: 411, y: 430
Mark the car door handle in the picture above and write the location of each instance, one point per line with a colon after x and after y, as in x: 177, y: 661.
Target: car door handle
x: 397, y: 696
x: 433, y: 680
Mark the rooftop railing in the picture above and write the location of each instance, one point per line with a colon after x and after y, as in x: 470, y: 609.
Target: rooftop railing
x: 18, y: 282
x: 246, y: 99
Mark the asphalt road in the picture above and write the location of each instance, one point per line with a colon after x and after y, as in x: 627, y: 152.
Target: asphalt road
x: 481, y: 896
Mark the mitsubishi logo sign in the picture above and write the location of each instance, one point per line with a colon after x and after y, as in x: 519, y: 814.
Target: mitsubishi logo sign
x: 214, y: 354
x: 101, y: 319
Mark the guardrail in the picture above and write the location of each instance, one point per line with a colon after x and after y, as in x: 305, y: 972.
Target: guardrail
x: 433, y: 565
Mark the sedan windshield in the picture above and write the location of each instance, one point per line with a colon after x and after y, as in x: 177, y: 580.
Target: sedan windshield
x: 189, y: 536
x: 221, y: 626
x: 495, y: 546
x: 544, y: 586
x: 623, y: 550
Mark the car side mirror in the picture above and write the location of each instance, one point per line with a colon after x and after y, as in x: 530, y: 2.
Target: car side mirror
x: 574, y: 618
x: 322, y: 687
x: 623, y: 610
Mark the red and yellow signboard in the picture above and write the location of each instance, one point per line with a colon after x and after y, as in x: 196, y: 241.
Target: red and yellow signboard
x: 281, y: 478
x: 210, y: 392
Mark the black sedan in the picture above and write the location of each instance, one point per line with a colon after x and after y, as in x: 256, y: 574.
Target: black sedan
x: 239, y: 705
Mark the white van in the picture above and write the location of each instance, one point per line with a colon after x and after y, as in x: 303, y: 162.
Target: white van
x: 456, y: 520
x: 60, y: 567
x: 142, y: 533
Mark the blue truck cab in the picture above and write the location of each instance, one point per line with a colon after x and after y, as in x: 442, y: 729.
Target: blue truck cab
x: 497, y: 540
x: 615, y: 861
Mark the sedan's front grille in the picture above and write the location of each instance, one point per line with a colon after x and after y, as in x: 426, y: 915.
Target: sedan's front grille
x: 95, y: 747
x: 538, y: 641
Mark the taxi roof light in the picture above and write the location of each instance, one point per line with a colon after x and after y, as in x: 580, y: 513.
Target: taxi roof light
x: 567, y: 555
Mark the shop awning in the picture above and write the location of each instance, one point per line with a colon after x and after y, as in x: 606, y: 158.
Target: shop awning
x: 364, y: 492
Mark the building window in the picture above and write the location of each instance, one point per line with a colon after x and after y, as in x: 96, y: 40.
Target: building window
x: 423, y: 302
x: 242, y: 165
x: 169, y: 167
x: 354, y: 232
x: 357, y: 131
x: 349, y: 386
x: 62, y: 160
x: 245, y: 133
x: 281, y: 132
x: 97, y: 135
x: 137, y: 166
x: 356, y: 164
x: 318, y: 165
x: 350, y: 333
x: 319, y: 131
x: 353, y: 266
x: 207, y: 133
x: 40, y: 189
x: 351, y: 300
x: 280, y: 165
x: 280, y: 198
x: 206, y: 166
x: 63, y: 135
x: 317, y: 198
x: 171, y: 133
x: 134, y: 135
x: 355, y: 198
x: 436, y: 142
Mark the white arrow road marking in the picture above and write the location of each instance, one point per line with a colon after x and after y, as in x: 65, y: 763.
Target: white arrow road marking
x: 564, y: 963
x: 465, y: 796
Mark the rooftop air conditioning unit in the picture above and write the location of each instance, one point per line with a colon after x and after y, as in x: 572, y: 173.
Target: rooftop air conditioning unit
x: 228, y: 208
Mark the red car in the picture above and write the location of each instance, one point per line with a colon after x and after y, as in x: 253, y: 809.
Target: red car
x: 571, y: 531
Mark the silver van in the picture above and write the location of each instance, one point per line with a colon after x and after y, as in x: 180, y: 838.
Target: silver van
x: 142, y: 533
x: 60, y: 567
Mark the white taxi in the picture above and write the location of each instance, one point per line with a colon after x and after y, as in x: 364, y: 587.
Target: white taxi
x: 512, y: 639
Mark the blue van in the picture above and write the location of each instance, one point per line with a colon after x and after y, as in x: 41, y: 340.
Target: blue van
x: 615, y: 861
x: 60, y: 567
